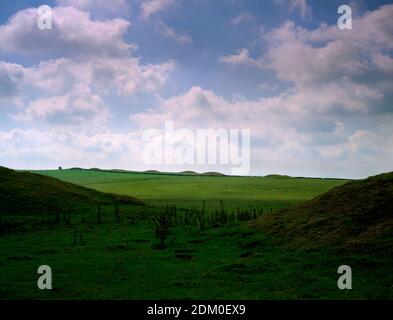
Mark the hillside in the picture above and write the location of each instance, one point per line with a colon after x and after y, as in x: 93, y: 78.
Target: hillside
x: 25, y: 192
x: 213, y: 173
x: 277, y: 176
x: 356, y: 215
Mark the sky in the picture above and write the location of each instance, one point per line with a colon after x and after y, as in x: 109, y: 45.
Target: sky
x: 318, y: 101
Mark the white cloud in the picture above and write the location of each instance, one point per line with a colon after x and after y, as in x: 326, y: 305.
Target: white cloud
x: 73, y: 34
x: 198, y: 106
x: 332, y: 71
x: 267, y: 86
x: 305, y: 10
x: 169, y: 32
x: 240, y: 18
x: 39, y: 149
x: 302, y: 55
x: 285, y: 136
x: 90, y: 52
x: 77, y: 108
x: 150, y: 7
x: 123, y: 75
x: 281, y: 141
x: 10, y: 79
x: 335, y: 69
x: 301, y: 5
x: 93, y: 61
x: 71, y: 90
x: 242, y: 58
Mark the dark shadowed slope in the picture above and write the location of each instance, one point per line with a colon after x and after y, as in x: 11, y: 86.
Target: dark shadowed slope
x: 357, y: 215
x: 27, y: 193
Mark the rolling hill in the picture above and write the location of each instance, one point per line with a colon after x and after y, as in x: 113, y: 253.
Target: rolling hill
x: 355, y: 216
x: 26, y: 193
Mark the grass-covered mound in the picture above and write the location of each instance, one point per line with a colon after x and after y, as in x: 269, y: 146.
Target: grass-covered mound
x: 357, y: 215
x: 28, y: 193
x: 213, y: 173
x: 277, y: 176
x: 189, y: 172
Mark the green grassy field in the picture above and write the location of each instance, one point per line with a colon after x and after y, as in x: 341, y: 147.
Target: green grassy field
x: 119, y: 258
x: 118, y: 262
x: 189, y: 190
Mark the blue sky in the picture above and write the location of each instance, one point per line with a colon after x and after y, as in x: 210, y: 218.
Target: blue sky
x: 318, y: 100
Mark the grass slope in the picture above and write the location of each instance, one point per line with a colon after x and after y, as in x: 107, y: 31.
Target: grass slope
x: 357, y: 215
x: 26, y: 193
